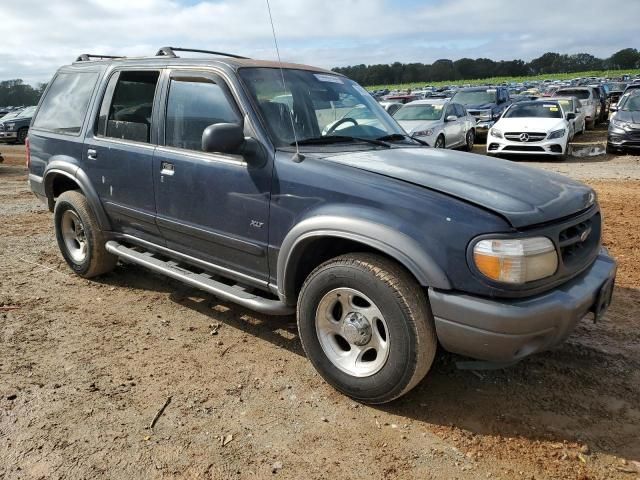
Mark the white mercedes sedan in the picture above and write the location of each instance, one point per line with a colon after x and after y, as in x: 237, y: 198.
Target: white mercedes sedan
x: 538, y: 127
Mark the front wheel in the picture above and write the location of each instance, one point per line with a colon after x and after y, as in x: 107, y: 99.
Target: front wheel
x: 22, y: 135
x: 439, y: 142
x: 470, y: 139
x: 80, y: 239
x: 366, y: 327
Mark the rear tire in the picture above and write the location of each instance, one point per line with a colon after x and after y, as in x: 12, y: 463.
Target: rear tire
x: 79, y: 236
x: 366, y: 326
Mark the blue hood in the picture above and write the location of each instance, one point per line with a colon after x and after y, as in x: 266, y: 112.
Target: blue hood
x: 524, y: 196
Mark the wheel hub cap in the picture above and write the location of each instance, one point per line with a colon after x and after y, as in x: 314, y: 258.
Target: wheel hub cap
x: 357, y: 329
x: 352, y: 332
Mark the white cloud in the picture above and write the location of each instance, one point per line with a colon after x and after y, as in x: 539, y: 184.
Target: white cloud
x: 38, y: 36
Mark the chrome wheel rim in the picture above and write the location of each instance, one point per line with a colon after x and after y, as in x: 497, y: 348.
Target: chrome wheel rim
x: 352, y: 332
x: 470, y: 139
x: 74, y: 236
x: 439, y: 143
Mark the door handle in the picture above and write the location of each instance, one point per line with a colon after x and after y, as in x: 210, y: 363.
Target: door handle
x: 167, y: 168
x: 92, y: 154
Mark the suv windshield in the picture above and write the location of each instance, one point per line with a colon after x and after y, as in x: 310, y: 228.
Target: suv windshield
x: 541, y: 110
x: 475, y: 97
x: 420, y: 112
x: 27, y: 112
x: 313, y: 104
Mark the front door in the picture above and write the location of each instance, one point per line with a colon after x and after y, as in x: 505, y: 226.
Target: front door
x: 213, y: 206
x: 118, y: 152
x: 452, y: 129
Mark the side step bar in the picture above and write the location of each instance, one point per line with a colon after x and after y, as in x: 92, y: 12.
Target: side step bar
x: 203, y: 281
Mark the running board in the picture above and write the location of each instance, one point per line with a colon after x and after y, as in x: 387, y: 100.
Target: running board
x: 203, y: 281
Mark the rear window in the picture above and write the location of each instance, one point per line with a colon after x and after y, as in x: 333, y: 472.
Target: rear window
x: 64, y: 107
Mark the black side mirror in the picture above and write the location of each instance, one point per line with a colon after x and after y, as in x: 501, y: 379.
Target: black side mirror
x: 571, y: 116
x: 222, y: 138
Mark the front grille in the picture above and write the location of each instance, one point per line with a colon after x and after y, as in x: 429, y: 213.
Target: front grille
x: 579, y: 242
x: 531, y: 136
x: 523, y: 148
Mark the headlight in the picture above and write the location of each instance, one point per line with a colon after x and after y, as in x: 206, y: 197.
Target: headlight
x: 9, y: 126
x: 495, y: 133
x: 516, y: 261
x: 423, y: 133
x: 556, y: 134
x: 485, y: 115
x: 619, y: 124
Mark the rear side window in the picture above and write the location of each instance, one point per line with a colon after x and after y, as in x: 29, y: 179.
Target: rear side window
x: 64, y: 107
x: 127, y: 106
x: 192, y: 106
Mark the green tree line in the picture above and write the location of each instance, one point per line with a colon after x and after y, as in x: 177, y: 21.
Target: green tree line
x: 471, y: 69
x: 17, y: 93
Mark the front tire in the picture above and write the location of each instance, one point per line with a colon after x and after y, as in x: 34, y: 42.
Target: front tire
x: 440, y: 143
x: 366, y: 327
x: 80, y: 239
x: 469, y: 141
x: 22, y: 136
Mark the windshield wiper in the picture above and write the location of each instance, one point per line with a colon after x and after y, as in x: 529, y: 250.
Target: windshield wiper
x: 401, y: 136
x: 328, y: 139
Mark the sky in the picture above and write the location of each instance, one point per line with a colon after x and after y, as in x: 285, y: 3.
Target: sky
x: 38, y: 36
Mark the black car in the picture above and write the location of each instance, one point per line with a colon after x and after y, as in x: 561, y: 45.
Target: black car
x: 624, y: 128
x: 16, y: 128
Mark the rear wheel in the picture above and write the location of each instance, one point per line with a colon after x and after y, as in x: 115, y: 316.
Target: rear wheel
x: 439, y: 142
x: 79, y: 236
x: 366, y: 327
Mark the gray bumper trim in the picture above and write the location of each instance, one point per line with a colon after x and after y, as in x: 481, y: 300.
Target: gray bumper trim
x: 504, y: 330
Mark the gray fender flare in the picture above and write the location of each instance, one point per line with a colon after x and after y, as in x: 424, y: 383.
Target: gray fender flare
x: 399, y: 246
x: 79, y: 176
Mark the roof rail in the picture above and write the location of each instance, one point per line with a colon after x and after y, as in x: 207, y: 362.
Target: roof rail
x: 86, y: 57
x: 170, y: 52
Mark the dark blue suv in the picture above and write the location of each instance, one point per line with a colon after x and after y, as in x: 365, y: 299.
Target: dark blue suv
x: 249, y: 180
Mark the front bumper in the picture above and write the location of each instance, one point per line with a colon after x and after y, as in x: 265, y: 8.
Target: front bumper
x: 8, y: 136
x: 622, y: 139
x: 497, y: 146
x: 507, y: 330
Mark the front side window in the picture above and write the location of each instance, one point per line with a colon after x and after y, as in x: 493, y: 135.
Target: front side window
x: 127, y: 106
x: 65, y: 105
x: 192, y: 106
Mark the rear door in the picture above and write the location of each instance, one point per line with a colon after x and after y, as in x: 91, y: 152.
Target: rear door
x: 213, y: 206
x: 119, y: 152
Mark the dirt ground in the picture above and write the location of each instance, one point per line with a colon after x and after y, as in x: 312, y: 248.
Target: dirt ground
x: 86, y: 365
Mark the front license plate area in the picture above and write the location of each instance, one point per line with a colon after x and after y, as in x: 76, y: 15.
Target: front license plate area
x: 603, y: 300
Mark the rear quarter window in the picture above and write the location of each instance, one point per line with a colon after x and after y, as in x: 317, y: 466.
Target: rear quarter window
x: 65, y: 105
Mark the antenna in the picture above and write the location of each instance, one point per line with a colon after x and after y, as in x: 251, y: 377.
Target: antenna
x: 298, y: 157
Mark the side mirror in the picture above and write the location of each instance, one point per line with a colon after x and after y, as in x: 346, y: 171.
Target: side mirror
x: 578, y: 110
x: 222, y: 138
x: 451, y: 118
x: 571, y: 116
x: 614, y: 107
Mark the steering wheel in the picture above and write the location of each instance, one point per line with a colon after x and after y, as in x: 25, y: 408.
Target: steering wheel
x: 340, y: 122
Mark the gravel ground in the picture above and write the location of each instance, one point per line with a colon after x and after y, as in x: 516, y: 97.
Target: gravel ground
x: 86, y: 365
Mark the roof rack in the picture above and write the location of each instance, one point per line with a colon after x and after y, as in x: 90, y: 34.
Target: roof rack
x: 170, y: 52
x: 86, y: 57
